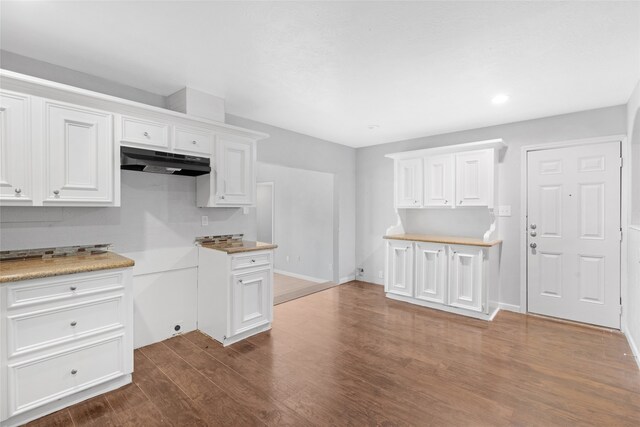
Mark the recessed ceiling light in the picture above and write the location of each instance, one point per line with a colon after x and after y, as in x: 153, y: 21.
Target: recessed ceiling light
x: 373, y: 127
x: 500, y: 99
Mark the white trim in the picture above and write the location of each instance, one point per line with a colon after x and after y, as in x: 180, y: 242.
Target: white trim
x: 478, y: 145
x: 509, y: 307
x: 273, y: 205
x: 301, y: 276
x: 624, y: 207
x: 346, y: 279
x: 634, y: 348
x: 449, y: 309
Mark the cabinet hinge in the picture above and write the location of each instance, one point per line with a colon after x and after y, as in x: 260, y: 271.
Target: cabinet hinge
x: 621, y: 234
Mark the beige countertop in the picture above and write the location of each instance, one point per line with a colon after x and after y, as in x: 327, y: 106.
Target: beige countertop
x: 451, y: 240
x: 239, y: 246
x: 34, y: 268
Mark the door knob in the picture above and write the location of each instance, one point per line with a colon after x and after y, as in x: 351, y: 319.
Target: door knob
x: 533, y: 245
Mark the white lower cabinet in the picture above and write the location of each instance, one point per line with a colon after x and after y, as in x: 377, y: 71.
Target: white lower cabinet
x: 399, y: 274
x: 431, y: 272
x: 235, y: 293
x: 463, y: 279
x: 64, y: 339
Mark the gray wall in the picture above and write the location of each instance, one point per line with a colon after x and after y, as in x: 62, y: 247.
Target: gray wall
x: 374, y: 183
x: 300, y: 151
x: 303, y: 220
x: 158, y: 211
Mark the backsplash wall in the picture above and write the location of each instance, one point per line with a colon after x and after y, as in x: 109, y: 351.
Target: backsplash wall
x: 158, y: 211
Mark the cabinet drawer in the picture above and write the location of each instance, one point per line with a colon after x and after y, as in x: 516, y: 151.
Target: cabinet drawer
x: 145, y: 132
x: 193, y: 140
x: 51, y: 289
x: 250, y: 260
x: 40, y: 381
x: 43, y: 328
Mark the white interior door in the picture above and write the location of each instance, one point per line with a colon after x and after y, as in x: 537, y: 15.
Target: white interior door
x: 573, y: 209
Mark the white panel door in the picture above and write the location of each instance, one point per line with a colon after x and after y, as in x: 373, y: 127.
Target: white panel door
x: 234, y: 164
x: 408, y: 183
x: 473, y: 180
x: 431, y: 272
x: 78, y: 155
x: 439, y: 178
x: 573, y: 231
x: 15, y: 150
x: 466, y: 280
x: 251, y: 300
x: 399, y: 274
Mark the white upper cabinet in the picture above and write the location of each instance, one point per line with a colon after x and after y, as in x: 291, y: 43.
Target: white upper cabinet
x: 439, y: 181
x: 78, y: 155
x: 473, y: 180
x: 143, y: 133
x: 15, y: 150
x: 453, y: 176
x: 232, y: 183
x: 409, y: 183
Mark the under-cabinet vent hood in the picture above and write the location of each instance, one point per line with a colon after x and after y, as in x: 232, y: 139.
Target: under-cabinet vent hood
x: 137, y: 159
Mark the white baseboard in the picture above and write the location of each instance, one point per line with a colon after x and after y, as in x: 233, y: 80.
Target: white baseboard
x: 634, y: 348
x: 509, y: 307
x: 301, y: 276
x: 346, y: 279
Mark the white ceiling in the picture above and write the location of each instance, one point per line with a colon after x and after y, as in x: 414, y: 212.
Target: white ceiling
x: 331, y: 69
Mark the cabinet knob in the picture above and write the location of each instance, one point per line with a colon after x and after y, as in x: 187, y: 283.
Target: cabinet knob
x: 74, y: 323
x: 56, y: 192
x: 18, y: 190
x: 533, y: 234
x: 446, y: 201
x: 194, y: 142
x: 253, y: 260
x: 533, y: 226
x: 239, y: 280
x: 222, y: 197
x: 146, y: 134
x: 533, y: 245
x: 73, y: 288
x: 74, y: 371
x: 460, y: 202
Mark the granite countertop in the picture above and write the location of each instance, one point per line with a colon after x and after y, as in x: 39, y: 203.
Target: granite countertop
x: 34, y: 268
x: 451, y: 240
x: 234, y: 247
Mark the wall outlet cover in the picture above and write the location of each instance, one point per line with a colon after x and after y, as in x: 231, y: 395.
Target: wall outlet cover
x: 205, y: 220
x: 504, y: 210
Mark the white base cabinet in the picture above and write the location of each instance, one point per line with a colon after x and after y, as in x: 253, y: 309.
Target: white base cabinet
x: 64, y: 339
x: 235, y: 294
x: 462, y: 279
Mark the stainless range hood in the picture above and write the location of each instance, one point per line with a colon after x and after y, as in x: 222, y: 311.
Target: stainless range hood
x: 137, y: 159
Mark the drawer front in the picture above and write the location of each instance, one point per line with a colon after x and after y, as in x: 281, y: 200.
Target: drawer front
x: 40, y: 381
x: 43, y: 328
x: 199, y: 141
x: 250, y: 260
x: 51, y: 289
x: 145, y: 132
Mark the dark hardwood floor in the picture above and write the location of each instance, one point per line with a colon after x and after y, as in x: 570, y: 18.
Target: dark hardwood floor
x: 350, y: 356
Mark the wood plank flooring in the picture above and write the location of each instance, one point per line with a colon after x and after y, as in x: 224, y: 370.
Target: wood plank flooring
x: 287, y: 288
x: 350, y: 356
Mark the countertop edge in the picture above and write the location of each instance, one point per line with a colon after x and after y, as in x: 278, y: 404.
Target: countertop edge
x: 451, y: 240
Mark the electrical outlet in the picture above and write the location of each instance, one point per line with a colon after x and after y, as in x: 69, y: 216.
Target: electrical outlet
x: 381, y: 274
x: 176, y: 328
x: 504, y: 210
x: 205, y: 220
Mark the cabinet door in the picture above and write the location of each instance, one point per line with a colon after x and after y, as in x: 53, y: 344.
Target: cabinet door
x: 235, y: 175
x: 15, y: 150
x: 439, y: 181
x: 251, y: 300
x: 399, y: 274
x: 431, y: 272
x: 472, y: 178
x: 466, y: 282
x: 409, y: 183
x: 78, y: 155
